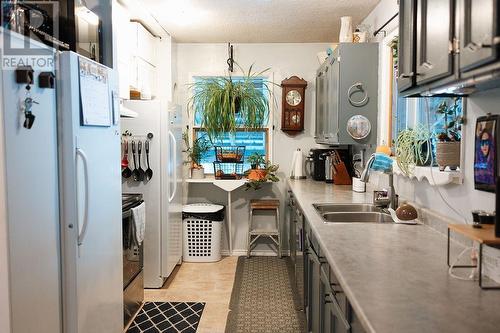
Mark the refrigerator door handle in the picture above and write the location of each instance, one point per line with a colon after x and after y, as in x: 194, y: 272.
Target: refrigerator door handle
x: 174, y: 149
x: 81, y: 234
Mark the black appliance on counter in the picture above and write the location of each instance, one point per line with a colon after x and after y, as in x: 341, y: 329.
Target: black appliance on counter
x: 133, y: 260
x: 317, y: 159
x: 64, y: 25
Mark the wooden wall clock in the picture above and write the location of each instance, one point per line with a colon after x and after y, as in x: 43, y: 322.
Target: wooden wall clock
x: 293, y: 102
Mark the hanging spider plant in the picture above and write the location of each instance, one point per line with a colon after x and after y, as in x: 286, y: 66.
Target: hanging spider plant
x: 413, y: 147
x: 225, y: 104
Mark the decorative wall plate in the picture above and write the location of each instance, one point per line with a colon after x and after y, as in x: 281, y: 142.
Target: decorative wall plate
x: 358, y: 127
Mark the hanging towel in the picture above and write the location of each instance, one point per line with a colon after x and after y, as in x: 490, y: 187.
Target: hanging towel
x: 139, y: 221
x: 382, y: 163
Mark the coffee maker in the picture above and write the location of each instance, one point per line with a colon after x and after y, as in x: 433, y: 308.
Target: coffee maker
x: 316, y: 161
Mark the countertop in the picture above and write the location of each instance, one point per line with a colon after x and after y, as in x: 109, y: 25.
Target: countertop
x: 395, y: 276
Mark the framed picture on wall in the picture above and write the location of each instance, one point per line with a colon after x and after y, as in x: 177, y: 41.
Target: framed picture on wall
x: 485, y: 156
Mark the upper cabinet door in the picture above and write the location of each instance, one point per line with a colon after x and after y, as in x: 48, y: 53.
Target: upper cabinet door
x: 435, y: 21
x: 479, y: 33
x: 406, y: 52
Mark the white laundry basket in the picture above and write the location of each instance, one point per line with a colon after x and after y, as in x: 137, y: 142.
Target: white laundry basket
x: 202, y: 224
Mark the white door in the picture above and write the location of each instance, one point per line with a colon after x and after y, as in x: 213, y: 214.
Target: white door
x: 91, y: 212
x: 32, y: 196
x: 175, y: 162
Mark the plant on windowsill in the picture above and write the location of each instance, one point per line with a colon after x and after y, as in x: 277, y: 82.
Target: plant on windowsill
x: 448, y: 145
x: 256, y: 160
x: 195, y: 153
x: 264, y: 175
x: 224, y: 104
x: 413, y: 148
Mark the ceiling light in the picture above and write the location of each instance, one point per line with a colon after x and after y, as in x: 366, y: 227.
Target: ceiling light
x: 180, y: 13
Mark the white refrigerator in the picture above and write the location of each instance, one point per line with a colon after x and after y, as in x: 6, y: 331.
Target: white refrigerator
x: 163, y: 193
x: 91, y: 215
x: 63, y: 199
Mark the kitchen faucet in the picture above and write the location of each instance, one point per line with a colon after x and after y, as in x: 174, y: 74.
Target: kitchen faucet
x: 386, y: 167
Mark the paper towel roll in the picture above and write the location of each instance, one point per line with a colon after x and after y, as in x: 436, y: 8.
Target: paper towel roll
x: 297, y: 165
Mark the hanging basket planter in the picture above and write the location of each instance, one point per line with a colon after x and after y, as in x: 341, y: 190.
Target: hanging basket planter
x: 224, y: 104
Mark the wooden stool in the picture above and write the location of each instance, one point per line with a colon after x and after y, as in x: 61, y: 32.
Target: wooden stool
x: 274, y: 234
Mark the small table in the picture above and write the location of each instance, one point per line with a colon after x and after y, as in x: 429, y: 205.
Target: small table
x: 228, y: 186
x: 484, y: 236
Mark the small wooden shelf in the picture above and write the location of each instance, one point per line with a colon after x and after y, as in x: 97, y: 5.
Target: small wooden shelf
x: 484, y: 235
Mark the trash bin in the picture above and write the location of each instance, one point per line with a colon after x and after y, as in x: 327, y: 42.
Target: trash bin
x: 202, y: 224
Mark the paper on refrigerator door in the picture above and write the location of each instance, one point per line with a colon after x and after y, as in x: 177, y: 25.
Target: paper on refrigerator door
x: 94, y: 94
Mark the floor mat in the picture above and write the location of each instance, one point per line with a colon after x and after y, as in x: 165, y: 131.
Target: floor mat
x: 263, y: 298
x: 169, y: 317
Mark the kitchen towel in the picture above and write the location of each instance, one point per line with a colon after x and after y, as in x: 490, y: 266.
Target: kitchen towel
x: 382, y: 163
x: 139, y: 218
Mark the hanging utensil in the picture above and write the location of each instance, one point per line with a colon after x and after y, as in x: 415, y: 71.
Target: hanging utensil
x: 141, y: 171
x: 135, y: 173
x: 149, y: 172
x: 126, y: 172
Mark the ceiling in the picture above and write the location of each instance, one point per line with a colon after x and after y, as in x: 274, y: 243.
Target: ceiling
x: 256, y: 21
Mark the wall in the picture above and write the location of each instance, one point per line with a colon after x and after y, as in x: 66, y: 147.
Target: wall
x: 463, y: 198
x: 285, y: 60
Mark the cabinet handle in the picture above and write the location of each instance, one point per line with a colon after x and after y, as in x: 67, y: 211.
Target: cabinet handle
x: 473, y: 47
x: 406, y: 75
x: 427, y: 65
x: 329, y: 299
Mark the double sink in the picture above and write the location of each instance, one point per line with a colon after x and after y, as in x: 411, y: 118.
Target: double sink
x: 352, y: 213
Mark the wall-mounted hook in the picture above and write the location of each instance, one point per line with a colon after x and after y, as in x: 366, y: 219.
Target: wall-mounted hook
x: 24, y: 74
x: 47, y: 80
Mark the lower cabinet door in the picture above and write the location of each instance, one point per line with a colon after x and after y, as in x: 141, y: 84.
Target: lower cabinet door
x: 313, y: 292
x: 356, y: 326
x: 332, y: 316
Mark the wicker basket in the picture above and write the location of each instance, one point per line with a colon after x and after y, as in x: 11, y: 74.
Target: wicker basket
x: 448, y: 155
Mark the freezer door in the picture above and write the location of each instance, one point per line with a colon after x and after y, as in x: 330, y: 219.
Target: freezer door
x: 91, y: 211
x: 172, y: 248
x: 149, y: 121
x: 31, y: 198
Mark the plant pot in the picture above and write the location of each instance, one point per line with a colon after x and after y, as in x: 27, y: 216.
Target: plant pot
x: 257, y: 174
x: 448, y: 155
x: 197, y: 173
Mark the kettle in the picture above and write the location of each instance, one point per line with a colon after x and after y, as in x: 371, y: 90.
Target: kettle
x: 328, y: 167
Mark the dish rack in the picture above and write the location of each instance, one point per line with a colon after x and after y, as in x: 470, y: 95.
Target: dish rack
x: 228, y: 170
x: 230, y: 154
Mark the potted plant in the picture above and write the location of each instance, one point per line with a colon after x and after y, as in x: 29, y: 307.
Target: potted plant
x: 195, y: 152
x: 448, y: 141
x: 268, y: 175
x: 255, y: 160
x: 225, y: 104
x: 413, y: 148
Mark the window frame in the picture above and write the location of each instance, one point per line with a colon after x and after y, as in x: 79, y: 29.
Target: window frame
x: 268, y: 129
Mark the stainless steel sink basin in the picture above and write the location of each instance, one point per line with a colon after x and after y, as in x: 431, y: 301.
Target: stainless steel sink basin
x: 356, y: 217
x: 352, y: 213
x: 335, y: 208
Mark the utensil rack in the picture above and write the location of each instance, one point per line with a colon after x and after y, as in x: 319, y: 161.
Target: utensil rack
x: 129, y: 135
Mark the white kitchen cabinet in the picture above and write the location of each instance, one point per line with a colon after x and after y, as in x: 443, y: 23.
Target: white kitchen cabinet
x: 143, y: 77
x: 145, y: 43
x: 124, y: 79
